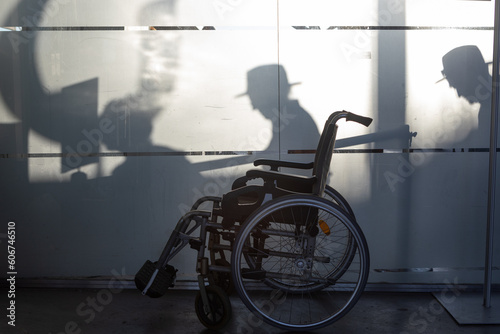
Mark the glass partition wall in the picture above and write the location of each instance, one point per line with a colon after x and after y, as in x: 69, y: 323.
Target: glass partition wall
x: 116, y: 116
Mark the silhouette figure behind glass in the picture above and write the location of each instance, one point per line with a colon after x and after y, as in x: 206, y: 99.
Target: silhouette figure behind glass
x: 466, y: 71
x: 268, y: 90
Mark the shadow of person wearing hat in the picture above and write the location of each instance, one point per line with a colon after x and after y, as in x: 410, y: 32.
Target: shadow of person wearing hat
x: 293, y: 129
x: 466, y: 71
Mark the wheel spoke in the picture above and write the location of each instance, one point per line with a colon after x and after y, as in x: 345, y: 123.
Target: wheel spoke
x: 307, y: 278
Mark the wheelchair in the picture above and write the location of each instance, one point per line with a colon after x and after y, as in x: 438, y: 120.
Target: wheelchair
x: 289, y: 245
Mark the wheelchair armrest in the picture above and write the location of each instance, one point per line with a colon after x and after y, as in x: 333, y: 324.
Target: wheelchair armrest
x: 275, y: 164
x: 287, y: 181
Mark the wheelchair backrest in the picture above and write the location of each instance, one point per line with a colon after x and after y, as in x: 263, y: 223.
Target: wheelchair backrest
x: 324, y: 152
x: 326, y: 145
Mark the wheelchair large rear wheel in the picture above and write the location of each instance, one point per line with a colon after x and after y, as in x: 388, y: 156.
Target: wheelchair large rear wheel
x: 334, y: 196
x: 349, y: 251
x: 297, y: 242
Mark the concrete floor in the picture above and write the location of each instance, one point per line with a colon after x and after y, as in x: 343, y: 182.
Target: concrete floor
x: 96, y: 311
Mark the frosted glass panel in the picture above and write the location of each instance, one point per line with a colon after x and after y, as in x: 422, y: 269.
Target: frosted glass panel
x: 116, y: 116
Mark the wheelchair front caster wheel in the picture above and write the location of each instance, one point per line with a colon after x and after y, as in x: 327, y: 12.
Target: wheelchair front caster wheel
x: 218, y: 312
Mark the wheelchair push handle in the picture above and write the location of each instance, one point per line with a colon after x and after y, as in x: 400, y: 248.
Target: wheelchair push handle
x: 366, y: 121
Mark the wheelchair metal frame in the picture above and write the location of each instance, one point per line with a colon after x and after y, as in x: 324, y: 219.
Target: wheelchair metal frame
x: 253, y: 234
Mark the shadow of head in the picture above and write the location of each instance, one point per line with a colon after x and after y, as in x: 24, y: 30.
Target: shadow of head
x: 466, y: 71
x: 265, y: 85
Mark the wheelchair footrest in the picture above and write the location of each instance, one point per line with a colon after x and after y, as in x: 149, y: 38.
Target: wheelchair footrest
x: 159, y: 284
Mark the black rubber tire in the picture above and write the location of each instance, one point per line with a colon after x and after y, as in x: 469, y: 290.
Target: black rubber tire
x: 220, y: 308
x: 270, y: 243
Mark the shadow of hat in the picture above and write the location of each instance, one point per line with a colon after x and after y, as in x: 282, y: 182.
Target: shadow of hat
x: 462, y: 61
x: 267, y: 78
